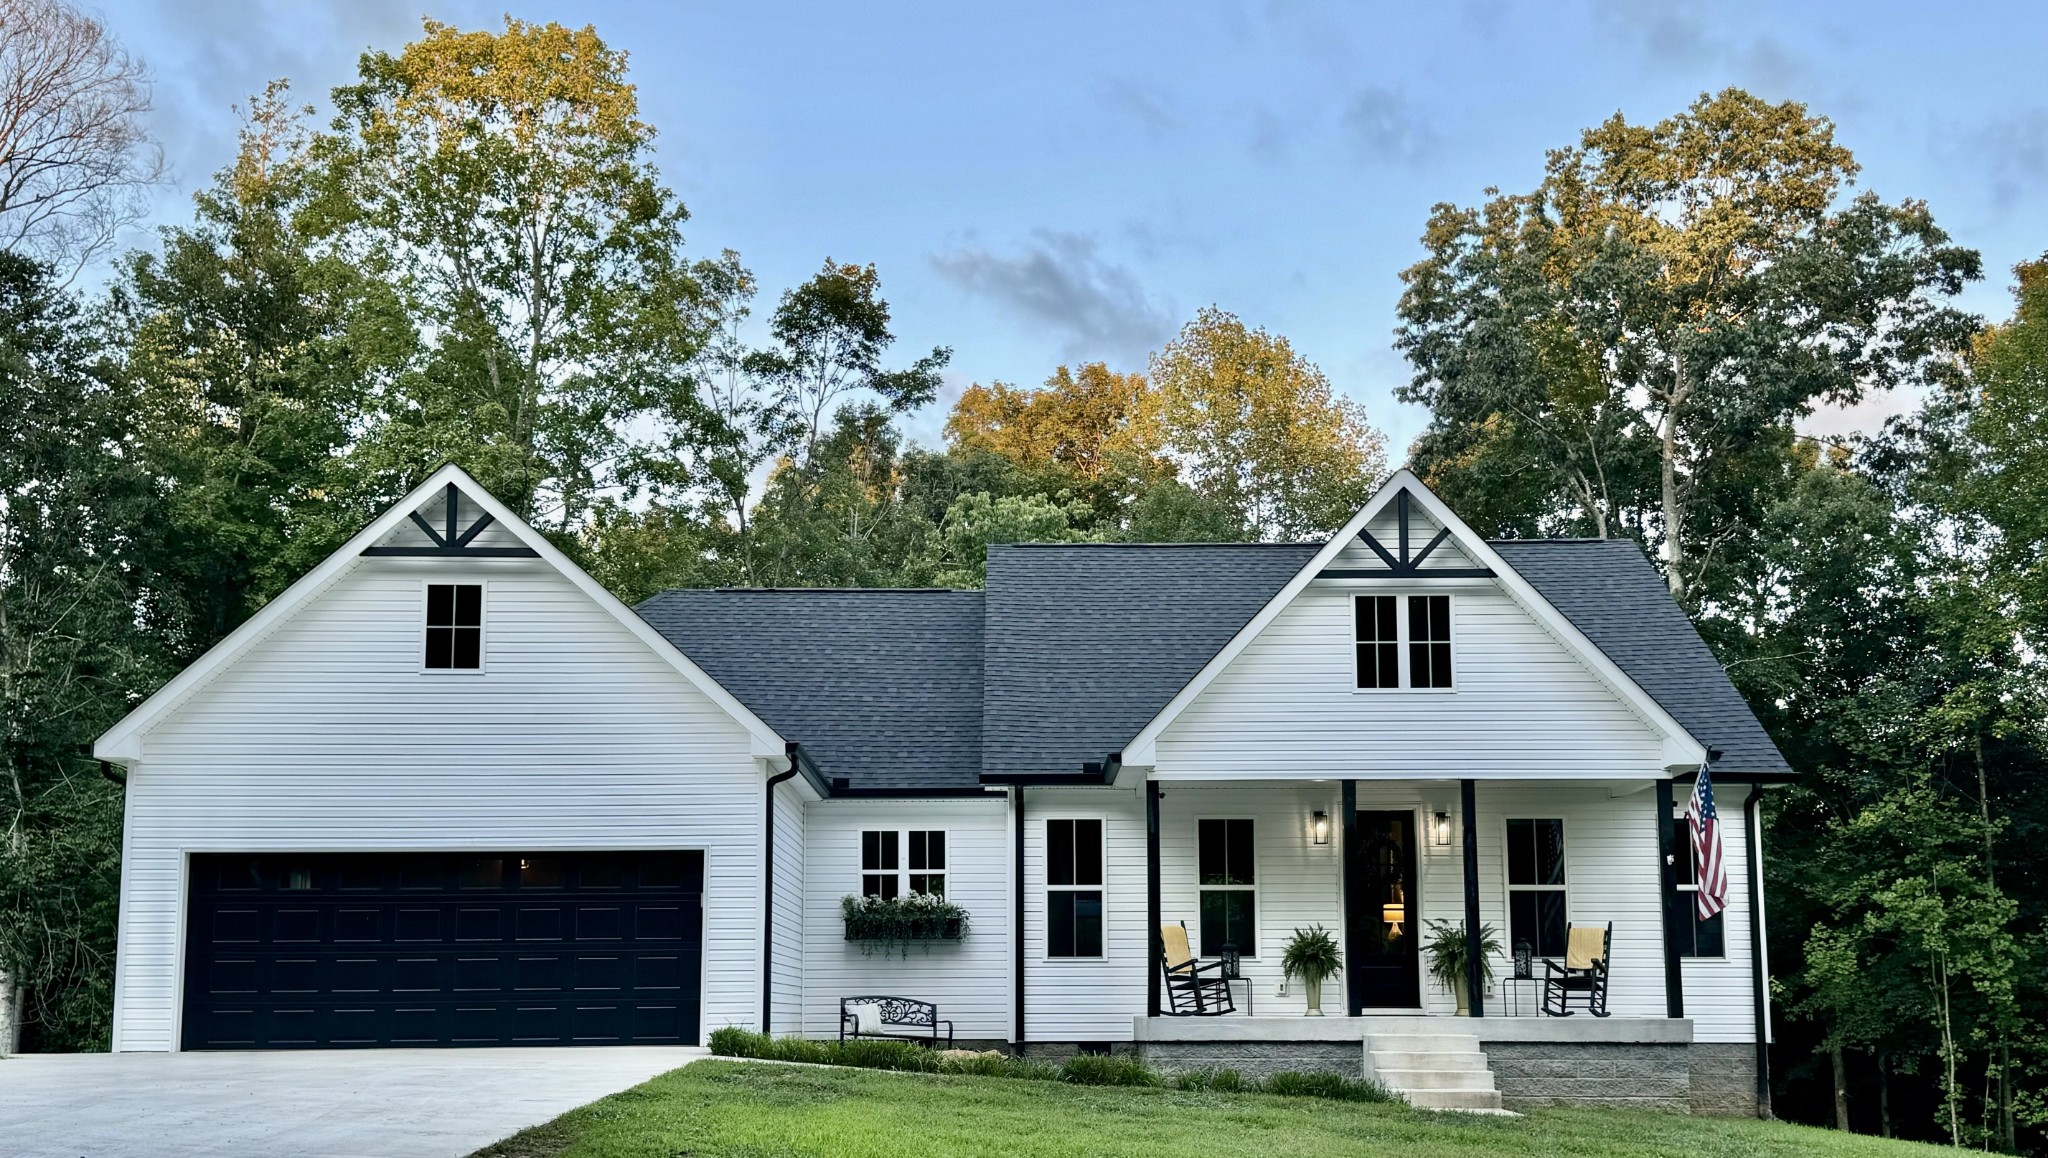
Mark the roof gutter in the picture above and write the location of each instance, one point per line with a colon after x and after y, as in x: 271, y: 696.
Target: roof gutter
x: 768, y: 892
x: 1094, y: 773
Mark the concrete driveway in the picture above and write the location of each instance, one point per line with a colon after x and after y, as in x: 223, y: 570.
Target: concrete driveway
x: 393, y: 1103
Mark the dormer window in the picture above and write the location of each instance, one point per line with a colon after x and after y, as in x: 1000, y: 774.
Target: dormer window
x: 455, y: 627
x: 1401, y: 646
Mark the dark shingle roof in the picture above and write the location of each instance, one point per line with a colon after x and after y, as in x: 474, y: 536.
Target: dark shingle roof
x: 881, y: 687
x: 1084, y: 644
x: 1610, y: 591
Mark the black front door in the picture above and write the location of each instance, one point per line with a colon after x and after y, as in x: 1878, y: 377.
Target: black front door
x: 1379, y: 902
x: 326, y: 950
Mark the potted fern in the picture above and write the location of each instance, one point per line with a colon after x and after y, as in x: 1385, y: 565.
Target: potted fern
x: 1311, y: 956
x: 1447, y: 966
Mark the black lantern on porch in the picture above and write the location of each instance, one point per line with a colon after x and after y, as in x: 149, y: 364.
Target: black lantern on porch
x: 1229, y: 955
x: 1525, y: 961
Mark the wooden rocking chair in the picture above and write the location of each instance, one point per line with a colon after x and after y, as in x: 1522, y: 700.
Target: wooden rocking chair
x: 1584, y: 971
x: 1192, y: 988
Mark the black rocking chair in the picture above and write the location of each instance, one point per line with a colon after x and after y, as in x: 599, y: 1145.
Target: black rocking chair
x: 1192, y: 988
x: 1584, y: 971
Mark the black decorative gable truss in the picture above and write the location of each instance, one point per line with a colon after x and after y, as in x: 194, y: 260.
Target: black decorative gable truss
x: 1404, y: 563
x: 450, y: 541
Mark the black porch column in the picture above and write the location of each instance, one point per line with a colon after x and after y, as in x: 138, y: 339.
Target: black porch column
x: 1475, y: 986
x: 1354, y: 931
x: 1667, y: 879
x: 1152, y: 898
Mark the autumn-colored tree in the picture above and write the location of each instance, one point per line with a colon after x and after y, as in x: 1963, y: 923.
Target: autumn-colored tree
x: 1256, y: 428
x: 504, y: 182
x: 1080, y: 421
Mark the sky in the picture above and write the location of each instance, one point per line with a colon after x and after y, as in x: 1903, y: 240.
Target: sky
x: 1051, y: 182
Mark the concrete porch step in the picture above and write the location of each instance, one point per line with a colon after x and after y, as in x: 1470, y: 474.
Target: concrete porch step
x: 1481, y: 1101
x: 1410, y: 1081
x: 1392, y: 1060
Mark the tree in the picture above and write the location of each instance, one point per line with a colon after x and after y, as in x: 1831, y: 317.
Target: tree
x: 1080, y: 422
x: 75, y: 650
x: 75, y: 158
x: 830, y: 334
x: 976, y: 521
x: 1256, y: 428
x: 253, y: 359
x: 2006, y: 420
x: 1675, y: 295
x: 504, y: 183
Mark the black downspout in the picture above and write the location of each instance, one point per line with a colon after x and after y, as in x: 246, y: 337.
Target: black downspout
x: 1017, y: 917
x: 1354, y: 933
x: 1475, y: 985
x: 768, y: 902
x: 1674, y: 970
x: 1152, y: 897
x: 1752, y: 835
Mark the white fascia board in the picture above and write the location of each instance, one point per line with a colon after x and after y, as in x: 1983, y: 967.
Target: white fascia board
x: 1680, y: 749
x: 122, y: 743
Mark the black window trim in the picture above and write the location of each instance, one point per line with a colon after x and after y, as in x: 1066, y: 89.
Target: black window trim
x: 1510, y: 888
x: 1681, y: 867
x: 1100, y: 887
x: 1251, y: 951
x: 483, y: 627
x: 1404, y: 656
x: 903, y: 871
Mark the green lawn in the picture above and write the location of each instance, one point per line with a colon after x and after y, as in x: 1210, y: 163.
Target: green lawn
x: 720, y: 1109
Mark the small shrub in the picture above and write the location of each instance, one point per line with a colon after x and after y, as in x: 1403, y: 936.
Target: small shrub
x: 883, y: 1055
x: 732, y: 1041
x: 1098, y: 1070
x: 1336, y: 1087
x: 1218, y: 1081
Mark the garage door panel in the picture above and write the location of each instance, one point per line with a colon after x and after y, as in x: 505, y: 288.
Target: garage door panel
x: 358, y: 950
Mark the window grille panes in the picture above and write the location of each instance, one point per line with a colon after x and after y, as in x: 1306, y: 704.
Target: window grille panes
x: 1379, y: 645
x: 1429, y: 641
x: 1225, y: 862
x: 928, y: 863
x: 878, y: 864
x: 1073, y: 877
x: 1536, y: 894
x: 1694, y: 937
x: 455, y: 620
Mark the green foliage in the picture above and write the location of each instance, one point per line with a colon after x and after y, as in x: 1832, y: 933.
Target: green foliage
x: 1220, y: 1081
x: 1335, y: 1087
x: 896, y: 923
x: 77, y: 515
x: 1448, y: 949
x: 1084, y: 1069
x: 1311, y: 955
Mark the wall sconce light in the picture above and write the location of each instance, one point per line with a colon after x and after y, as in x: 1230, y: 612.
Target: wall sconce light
x: 1319, y: 827
x: 1440, y: 826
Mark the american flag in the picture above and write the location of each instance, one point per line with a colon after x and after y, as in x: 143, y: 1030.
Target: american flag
x: 1708, y: 866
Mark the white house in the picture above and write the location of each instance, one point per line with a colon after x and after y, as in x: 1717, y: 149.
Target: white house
x: 446, y: 790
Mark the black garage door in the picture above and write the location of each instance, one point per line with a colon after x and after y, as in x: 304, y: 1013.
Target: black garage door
x: 333, y: 950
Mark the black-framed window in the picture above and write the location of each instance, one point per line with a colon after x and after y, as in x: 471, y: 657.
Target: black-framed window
x: 879, y: 864
x: 1073, y: 895
x: 455, y: 626
x: 1226, y: 860
x: 1379, y: 643
x: 1429, y: 641
x: 1694, y: 937
x: 1537, y: 910
x: 928, y: 862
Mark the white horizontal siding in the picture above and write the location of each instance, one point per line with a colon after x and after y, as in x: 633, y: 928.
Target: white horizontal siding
x: 788, y: 966
x: 1719, y: 994
x: 1073, y: 999
x: 970, y: 980
x: 326, y: 735
x: 1288, y: 705
x: 1298, y: 882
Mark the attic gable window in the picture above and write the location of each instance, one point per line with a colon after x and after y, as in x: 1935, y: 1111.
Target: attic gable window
x: 1402, y: 641
x: 455, y: 627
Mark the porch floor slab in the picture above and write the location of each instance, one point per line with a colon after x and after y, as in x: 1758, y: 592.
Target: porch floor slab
x: 1578, y: 1028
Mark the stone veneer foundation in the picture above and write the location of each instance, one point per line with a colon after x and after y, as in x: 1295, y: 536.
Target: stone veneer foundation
x: 1629, y: 1063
